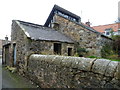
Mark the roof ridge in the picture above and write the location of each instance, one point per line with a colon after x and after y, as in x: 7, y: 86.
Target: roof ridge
x: 34, y: 25
x: 30, y: 24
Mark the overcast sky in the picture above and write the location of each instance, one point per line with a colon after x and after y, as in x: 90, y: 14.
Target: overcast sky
x: 99, y: 12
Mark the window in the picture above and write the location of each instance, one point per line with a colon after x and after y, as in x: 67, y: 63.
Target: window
x: 118, y: 32
x: 67, y: 16
x: 69, y: 51
x: 57, y: 48
x: 107, y: 33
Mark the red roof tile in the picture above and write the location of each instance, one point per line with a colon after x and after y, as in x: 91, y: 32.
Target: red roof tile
x: 101, y: 28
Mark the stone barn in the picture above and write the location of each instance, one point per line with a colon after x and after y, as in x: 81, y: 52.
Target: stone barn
x: 28, y: 38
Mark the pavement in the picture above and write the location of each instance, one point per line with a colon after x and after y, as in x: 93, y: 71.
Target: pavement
x: 13, y: 80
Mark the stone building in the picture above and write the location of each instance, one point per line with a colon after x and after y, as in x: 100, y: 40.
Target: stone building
x: 5, y: 48
x: 28, y: 38
x: 3, y: 42
x: 71, y: 25
x: 62, y: 34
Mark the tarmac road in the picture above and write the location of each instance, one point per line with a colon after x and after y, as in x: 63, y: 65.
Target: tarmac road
x: 13, y: 80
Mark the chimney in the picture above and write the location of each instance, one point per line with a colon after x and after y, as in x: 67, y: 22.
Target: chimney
x: 88, y: 23
x: 55, y: 25
x: 6, y: 39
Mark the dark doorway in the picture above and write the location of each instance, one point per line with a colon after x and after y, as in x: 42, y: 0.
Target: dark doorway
x: 6, y: 55
x: 69, y: 51
x: 14, y: 54
x: 57, y: 48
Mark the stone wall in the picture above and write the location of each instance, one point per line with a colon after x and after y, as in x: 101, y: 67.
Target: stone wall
x: 19, y: 38
x: 46, y: 47
x: 88, y: 39
x: 50, y: 71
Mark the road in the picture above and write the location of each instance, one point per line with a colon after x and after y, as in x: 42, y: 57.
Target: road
x: 13, y: 80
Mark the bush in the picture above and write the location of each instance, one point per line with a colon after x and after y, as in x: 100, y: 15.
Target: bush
x: 81, y: 52
x: 112, y: 50
x: 107, y: 50
x: 116, y: 44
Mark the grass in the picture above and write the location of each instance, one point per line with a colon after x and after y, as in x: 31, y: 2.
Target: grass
x: 115, y: 60
x: 112, y: 58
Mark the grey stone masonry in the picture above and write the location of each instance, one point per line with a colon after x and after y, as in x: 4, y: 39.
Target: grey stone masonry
x: 85, y: 36
x: 26, y: 46
x: 51, y: 71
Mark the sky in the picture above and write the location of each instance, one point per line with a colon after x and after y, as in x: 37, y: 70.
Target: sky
x: 98, y: 12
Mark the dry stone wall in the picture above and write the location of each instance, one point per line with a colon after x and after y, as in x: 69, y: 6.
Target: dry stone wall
x: 50, y: 71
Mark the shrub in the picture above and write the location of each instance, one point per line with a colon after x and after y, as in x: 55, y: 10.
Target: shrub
x: 81, y: 52
x: 116, y: 44
x: 107, y: 50
x: 112, y: 50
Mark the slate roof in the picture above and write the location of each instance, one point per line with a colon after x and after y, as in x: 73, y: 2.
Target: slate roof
x: 39, y: 32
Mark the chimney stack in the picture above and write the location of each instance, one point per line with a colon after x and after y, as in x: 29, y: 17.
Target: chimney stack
x: 6, y: 39
x: 88, y: 23
x: 55, y: 26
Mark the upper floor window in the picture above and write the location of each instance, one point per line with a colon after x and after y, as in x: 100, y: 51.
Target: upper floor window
x: 66, y: 16
x: 107, y: 33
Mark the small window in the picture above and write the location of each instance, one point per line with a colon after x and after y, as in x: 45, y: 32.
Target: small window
x: 118, y: 32
x: 69, y: 51
x: 107, y: 33
x: 57, y: 48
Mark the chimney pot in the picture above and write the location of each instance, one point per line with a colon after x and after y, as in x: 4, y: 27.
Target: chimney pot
x: 88, y: 23
x: 6, y: 38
